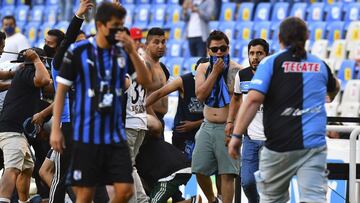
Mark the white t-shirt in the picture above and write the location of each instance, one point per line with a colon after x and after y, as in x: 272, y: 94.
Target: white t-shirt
x: 194, y: 29
x: 256, y: 127
x: 14, y: 43
x: 136, y: 117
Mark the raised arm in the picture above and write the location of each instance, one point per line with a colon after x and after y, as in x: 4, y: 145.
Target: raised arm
x: 72, y: 31
x: 174, y: 85
x: 42, y: 77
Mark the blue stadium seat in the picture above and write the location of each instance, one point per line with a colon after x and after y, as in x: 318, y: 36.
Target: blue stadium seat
x: 31, y: 32
x: 158, y: 14
x: 275, y: 36
x: 189, y: 65
x: 39, y: 43
x: 346, y: 72
x: 51, y: 14
x: 20, y: 2
x: 335, y: 31
x: 245, y: 12
x: 128, y: 2
x: 244, y: 30
x: 8, y: 3
x: 175, y: 65
x: 317, y: 31
x: 20, y: 27
x: 44, y: 28
x: 352, y: 12
x: 129, y: 14
x: 274, y: 47
x: 262, y: 30
x: 174, y: 48
x: 213, y: 25
x: 227, y: 12
x: 139, y: 2
x: 21, y: 13
x: 315, y: 12
x: 163, y: 60
x: 38, y: 2
x: 62, y: 25
x: 7, y: 11
x: 37, y: 13
x: 298, y: 10
x: 333, y: 11
x: 228, y: 28
x: 173, y: 2
x: 89, y: 28
x: 53, y: 2
x: 262, y: 12
x: 241, y: 49
x: 142, y: 16
x: 173, y: 15
x: 178, y: 31
x: 159, y: 2
x: 280, y: 11
x: 186, y: 50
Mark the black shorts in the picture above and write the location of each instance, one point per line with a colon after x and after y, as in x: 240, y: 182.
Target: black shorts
x: 92, y: 165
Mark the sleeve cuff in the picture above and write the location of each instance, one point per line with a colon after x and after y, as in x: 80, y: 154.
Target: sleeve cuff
x: 63, y: 81
x: 80, y: 17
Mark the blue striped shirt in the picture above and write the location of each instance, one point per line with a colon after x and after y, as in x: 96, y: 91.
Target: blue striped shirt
x: 83, y: 66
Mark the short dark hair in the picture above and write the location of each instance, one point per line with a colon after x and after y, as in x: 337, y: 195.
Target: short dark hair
x: 60, y: 36
x: 217, y: 35
x: 107, y: 10
x: 261, y: 42
x: 293, y: 34
x: 2, y: 36
x: 155, y: 31
x: 9, y: 18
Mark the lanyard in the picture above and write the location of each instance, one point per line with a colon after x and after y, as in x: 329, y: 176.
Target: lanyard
x: 108, y: 73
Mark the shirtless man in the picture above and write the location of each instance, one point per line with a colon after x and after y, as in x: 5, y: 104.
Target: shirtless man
x: 155, y: 49
x: 214, y: 82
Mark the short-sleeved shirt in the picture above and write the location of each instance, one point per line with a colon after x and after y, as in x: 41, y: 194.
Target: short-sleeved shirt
x: 242, y: 83
x: 294, y: 106
x: 86, y: 66
x: 65, y: 117
x: 21, y: 101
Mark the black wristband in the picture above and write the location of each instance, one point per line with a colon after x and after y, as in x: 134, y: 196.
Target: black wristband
x: 237, y: 136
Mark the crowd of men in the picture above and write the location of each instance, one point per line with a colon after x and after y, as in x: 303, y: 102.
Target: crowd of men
x: 99, y: 102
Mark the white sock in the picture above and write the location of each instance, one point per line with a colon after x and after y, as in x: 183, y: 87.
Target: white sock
x: 22, y: 201
x: 4, y: 200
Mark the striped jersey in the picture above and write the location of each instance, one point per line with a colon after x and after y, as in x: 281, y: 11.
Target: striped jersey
x: 87, y: 67
x: 295, y: 92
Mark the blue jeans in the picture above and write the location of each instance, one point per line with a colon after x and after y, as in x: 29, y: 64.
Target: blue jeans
x: 197, y: 47
x: 250, y: 164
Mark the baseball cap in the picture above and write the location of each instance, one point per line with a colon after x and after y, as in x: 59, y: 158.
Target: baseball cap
x: 135, y: 33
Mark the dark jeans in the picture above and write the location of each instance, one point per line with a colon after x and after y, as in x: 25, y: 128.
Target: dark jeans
x: 250, y: 164
x: 197, y: 47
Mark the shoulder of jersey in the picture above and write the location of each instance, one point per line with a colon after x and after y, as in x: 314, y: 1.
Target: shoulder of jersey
x: 271, y: 57
x: 79, y: 45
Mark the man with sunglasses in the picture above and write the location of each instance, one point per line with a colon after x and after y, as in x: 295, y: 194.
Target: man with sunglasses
x: 97, y: 67
x: 254, y: 137
x: 214, y: 83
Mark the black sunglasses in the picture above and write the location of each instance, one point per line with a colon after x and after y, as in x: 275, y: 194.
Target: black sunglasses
x: 216, y: 49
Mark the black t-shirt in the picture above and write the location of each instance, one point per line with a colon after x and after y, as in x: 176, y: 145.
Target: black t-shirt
x: 189, y: 107
x: 21, y: 101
